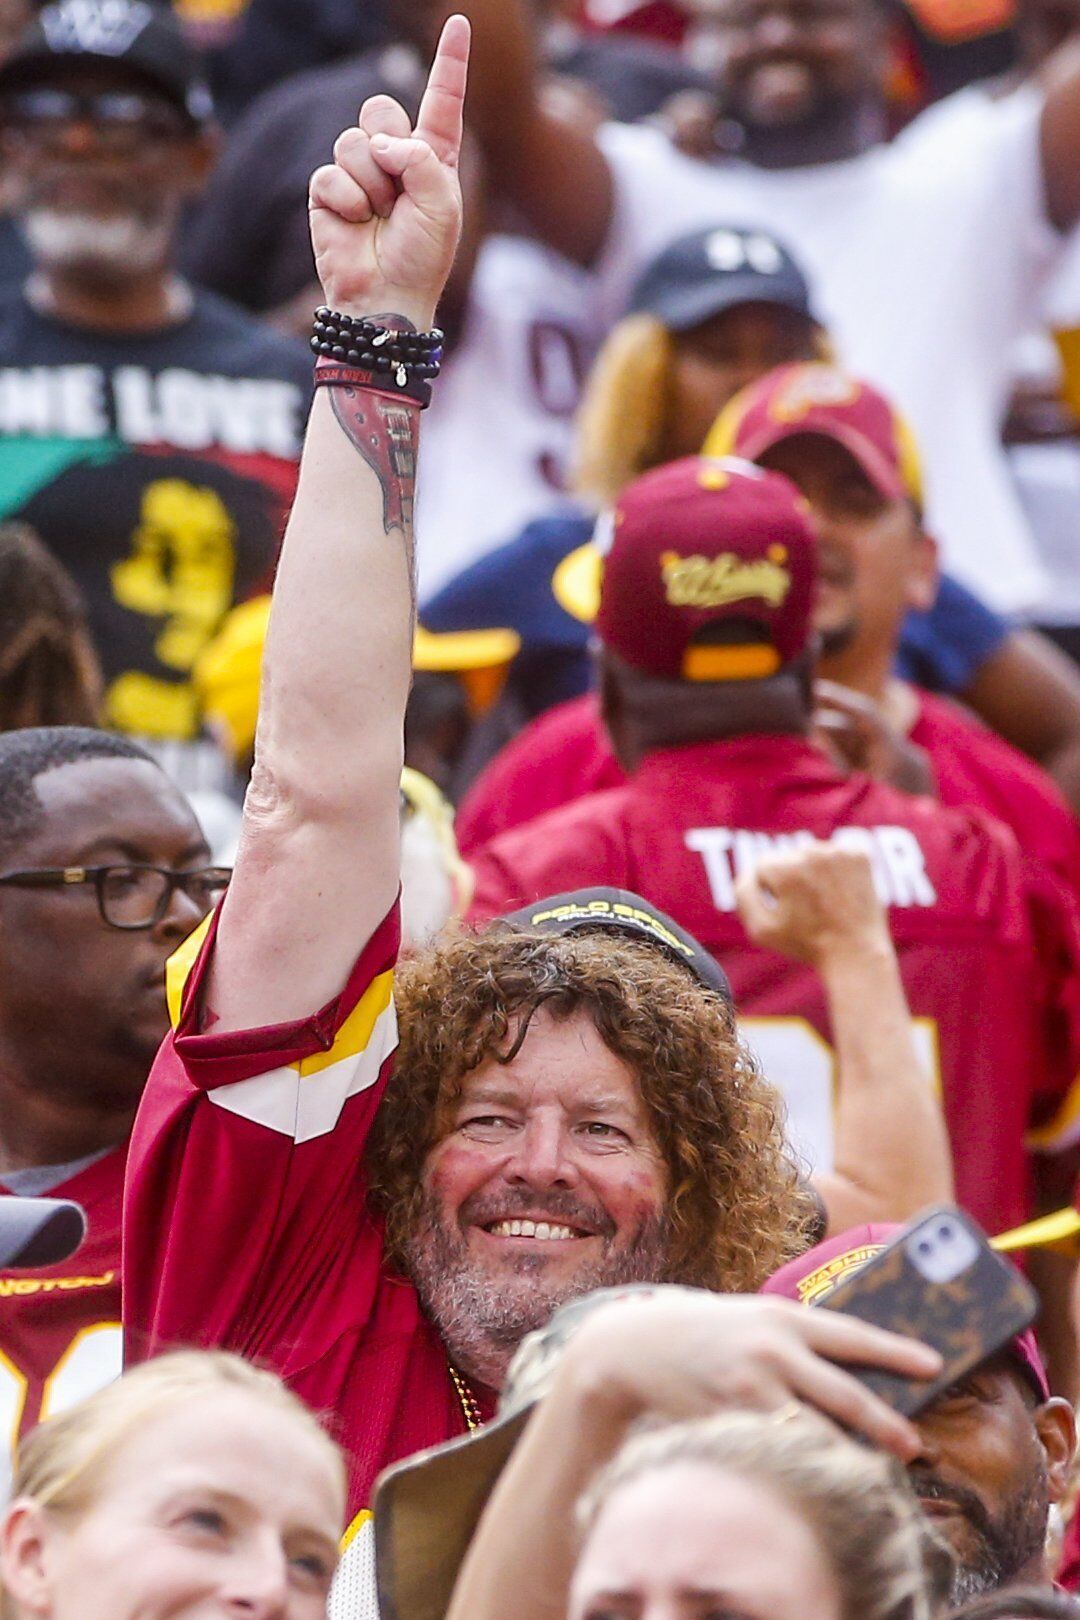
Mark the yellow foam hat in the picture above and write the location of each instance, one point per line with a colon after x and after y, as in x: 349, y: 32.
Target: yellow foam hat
x: 576, y: 582
x: 227, y: 673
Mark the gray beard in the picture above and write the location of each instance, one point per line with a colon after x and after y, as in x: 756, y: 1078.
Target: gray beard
x: 124, y: 244
x: 1004, y: 1545
x: 482, y: 1321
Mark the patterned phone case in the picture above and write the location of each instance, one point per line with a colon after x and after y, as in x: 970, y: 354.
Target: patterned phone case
x: 967, y: 1319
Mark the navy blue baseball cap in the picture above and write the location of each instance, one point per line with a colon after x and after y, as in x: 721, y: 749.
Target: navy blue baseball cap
x: 700, y: 275
x: 619, y: 911
x: 143, y: 38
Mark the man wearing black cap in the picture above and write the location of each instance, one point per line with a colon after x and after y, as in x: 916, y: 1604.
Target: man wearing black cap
x: 379, y: 1177
x: 150, y: 433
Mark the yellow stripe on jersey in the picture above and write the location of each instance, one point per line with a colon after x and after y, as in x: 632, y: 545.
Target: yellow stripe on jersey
x: 355, y: 1528
x: 1063, y: 1130
x: 355, y: 1033
x: 304, y: 1100
x: 179, y: 966
x: 354, y: 1594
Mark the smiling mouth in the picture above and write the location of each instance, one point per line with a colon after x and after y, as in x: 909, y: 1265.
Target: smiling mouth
x: 936, y: 1507
x: 539, y: 1231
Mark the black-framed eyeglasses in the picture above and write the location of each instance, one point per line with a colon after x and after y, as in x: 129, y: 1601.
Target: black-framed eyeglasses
x: 119, y: 118
x: 132, y: 896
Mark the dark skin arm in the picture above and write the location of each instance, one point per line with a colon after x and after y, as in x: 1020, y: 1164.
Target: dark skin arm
x: 1060, y: 136
x: 529, y: 153
x: 1029, y: 692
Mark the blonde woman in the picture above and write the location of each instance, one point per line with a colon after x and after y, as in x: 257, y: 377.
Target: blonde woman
x: 193, y: 1487
x: 766, y: 1518
x: 483, y: 1528
x: 714, y: 311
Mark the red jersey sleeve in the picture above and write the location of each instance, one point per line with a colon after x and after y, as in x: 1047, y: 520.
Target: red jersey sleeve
x: 245, y: 1196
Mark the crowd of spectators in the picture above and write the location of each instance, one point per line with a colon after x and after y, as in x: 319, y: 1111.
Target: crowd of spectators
x: 529, y: 851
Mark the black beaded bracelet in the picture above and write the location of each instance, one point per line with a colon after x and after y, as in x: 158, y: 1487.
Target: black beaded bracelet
x: 352, y: 340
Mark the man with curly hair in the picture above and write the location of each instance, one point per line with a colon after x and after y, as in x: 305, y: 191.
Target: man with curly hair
x: 570, y: 1105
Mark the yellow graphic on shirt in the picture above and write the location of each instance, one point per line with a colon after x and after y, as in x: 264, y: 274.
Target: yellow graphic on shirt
x: 182, y: 569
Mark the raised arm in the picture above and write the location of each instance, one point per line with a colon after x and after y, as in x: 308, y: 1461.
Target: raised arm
x: 1060, y: 135
x: 317, y: 868
x: 892, y: 1158
x: 555, y: 174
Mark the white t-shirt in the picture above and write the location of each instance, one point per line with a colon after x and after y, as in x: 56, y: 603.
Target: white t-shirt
x: 497, y: 435
x: 927, y: 260
x: 1047, y: 476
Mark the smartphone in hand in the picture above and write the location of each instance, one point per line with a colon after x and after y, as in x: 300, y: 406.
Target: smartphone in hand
x: 938, y: 1280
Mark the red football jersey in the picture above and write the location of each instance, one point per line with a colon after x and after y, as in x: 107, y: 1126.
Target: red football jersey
x: 989, y: 962
x: 561, y: 755
x: 246, y: 1224
x: 977, y: 768
x: 60, y: 1326
x: 1068, y: 1573
x: 565, y: 753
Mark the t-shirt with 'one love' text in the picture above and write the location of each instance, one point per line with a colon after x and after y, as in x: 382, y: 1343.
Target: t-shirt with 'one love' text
x: 159, y: 468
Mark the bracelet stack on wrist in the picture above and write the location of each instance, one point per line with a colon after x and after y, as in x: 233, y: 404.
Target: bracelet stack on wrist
x: 381, y: 357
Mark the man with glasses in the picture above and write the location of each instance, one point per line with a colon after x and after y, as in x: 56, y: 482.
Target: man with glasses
x: 103, y: 871
x: 149, y: 432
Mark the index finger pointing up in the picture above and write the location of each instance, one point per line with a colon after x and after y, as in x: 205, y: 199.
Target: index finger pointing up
x: 440, y: 118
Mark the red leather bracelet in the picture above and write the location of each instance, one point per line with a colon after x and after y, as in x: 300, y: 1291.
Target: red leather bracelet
x: 332, y: 374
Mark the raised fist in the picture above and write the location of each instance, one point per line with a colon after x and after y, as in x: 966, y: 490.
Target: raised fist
x: 386, y: 214
x: 808, y: 902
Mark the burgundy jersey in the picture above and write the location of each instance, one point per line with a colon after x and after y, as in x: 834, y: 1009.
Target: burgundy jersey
x: 561, y: 755
x: 60, y: 1325
x: 1068, y: 1573
x: 989, y: 957
x: 977, y: 768
x: 246, y: 1222
x: 565, y: 753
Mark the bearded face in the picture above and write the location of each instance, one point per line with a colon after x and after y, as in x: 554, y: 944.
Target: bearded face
x: 991, y: 1548
x: 548, y: 1184
x: 993, y: 1461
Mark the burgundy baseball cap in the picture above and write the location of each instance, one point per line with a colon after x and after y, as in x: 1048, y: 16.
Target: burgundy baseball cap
x: 812, y: 1276
x: 696, y: 543
x: 816, y: 398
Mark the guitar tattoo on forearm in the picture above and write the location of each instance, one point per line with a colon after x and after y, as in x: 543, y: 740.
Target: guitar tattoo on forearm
x: 384, y: 430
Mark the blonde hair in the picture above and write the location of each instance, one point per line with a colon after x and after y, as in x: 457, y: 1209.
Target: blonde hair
x: 62, y: 1462
x: 625, y: 411
x: 622, y: 419
x: 886, y: 1562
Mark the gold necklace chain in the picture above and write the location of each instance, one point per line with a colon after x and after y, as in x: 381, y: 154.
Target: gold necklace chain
x: 470, y: 1408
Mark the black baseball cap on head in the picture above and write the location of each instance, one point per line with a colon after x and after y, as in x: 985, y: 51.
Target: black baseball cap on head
x: 39, y: 1231
x: 702, y: 274
x: 620, y: 911
x: 142, y: 37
